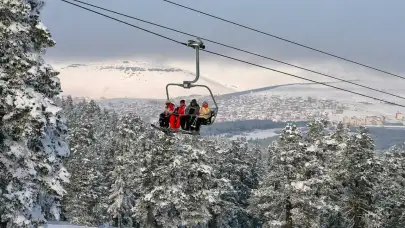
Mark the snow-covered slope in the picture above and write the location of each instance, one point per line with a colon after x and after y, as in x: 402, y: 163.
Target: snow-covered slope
x: 129, y: 79
x: 137, y: 79
x: 140, y: 79
x: 358, y: 105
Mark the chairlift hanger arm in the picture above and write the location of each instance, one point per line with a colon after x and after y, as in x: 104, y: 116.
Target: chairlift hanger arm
x: 197, y: 45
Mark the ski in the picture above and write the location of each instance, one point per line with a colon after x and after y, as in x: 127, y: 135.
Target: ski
x: 169, y: 131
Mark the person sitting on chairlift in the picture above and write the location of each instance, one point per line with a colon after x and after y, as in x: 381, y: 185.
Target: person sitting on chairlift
x: 166, y: 114
x: 204, y: 115
x: 191, y: 112
x: 181, y: 118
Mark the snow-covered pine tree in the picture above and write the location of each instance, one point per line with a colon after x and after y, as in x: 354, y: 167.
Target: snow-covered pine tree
x: 329, y: 153
x: 106, y: 147
x: 126, y: 172
x: 31, y: 130
x: 290, y: 195
x: 340, y: 135
x: 360, y: 176
x: 92, y: 134
x: 84, y: 165
x: 318, y: 142
x: 68, y: 107
x: 335, y: 144
x: 316, y: 130
x: 178, y: 184
x: 98, y: 182
x: 241, y: 164
x: 391, y: 190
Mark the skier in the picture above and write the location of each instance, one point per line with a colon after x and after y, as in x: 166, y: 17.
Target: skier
x: 191, y: 112
x: 181, y: 118
x: 166, y: 114
x: 204, y: 115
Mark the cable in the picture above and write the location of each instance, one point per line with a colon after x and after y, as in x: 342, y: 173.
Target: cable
x: 284, y: 39
x: 292, y: 75
x: 241, y: 50
x: 165, y: 37
x: 239, y: 60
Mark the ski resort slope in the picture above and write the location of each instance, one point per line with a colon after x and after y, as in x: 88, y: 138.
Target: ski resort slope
x: 359, y: 105
x: 140, y: 79
x: 146, y: 80
x: 130, y: 79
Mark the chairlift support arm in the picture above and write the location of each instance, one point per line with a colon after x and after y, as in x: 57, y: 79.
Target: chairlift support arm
x: 197, y: 45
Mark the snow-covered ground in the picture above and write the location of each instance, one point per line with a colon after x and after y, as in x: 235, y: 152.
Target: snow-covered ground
x: 54, y: 224
x: 129, y: 79
x: 140, y: 79
x: 358, y: 106
x: 258, y: 134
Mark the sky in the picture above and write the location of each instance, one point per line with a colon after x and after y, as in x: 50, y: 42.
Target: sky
x: 368, y: 31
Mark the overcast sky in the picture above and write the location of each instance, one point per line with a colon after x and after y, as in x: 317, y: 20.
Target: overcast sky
x: 368, y: 31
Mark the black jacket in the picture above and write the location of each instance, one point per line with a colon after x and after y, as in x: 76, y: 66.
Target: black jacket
x: 192, y: 109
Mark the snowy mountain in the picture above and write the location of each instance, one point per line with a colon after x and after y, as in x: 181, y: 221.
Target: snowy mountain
x: 133, y: 79
x: 139, y: 87
x: 141, y: 79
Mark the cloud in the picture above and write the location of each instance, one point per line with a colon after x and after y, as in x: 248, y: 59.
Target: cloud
x: 365, y: 31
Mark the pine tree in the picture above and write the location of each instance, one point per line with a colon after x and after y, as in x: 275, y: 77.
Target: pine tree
x: 392, y: 188
x: 78, y: 202
x: 126, y: 169
x: 334, y: 146
x: 316, y: 130
x: 360, y: 176
x: 107, y: 134
x: 31, y: 130
x: 178, y: 184
x: 241, y: 165
x: 291, y: 192
x: 92, y: 137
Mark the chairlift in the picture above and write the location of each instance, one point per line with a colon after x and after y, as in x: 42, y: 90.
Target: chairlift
x: 197, y: 45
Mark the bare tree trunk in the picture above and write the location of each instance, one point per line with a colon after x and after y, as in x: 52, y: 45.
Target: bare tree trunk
x: 115, y: 222
x: 288, y: 215
x: 151, y: 220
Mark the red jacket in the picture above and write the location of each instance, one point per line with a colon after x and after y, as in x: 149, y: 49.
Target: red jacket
x: 169, y: 109
x: 181, y: 110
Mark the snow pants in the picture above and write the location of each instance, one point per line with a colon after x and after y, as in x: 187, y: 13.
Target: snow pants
x: 190, y: 121
x: 182, y: 122
x: 163, y: 120
x: 200, y: 121
x: 178, y: 121
x: 172, y: 120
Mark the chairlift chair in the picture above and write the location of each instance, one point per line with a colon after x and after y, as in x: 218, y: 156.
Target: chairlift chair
x: 197, y: 45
